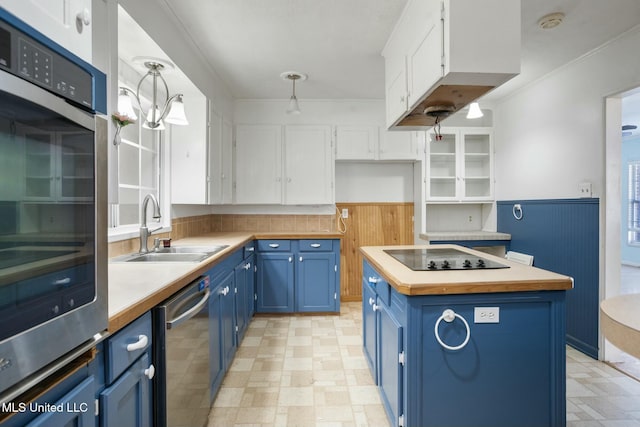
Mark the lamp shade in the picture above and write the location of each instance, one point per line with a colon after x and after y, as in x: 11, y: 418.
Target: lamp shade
x: 149, y: 124
x: 474, y: 111
x: 293, y: 108
x: 125, y: 107
x: 176, y: 114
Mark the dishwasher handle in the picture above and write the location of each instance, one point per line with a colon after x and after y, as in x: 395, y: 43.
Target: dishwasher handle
x: 191, y: 312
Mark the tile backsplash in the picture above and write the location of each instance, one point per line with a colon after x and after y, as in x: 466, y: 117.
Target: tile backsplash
x: 203, y: 224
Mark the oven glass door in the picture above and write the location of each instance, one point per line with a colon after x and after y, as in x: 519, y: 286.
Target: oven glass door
x: 47, y: 215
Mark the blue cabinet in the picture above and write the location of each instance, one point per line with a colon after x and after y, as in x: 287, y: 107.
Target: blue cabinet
x: 127, y: 402
x: 509, y: 373
x: 128, y: 396
x: 244, y: 291
x: 274, y: 281
x: 298, y: 276
x: 222, y: 332
x: 76, y: 408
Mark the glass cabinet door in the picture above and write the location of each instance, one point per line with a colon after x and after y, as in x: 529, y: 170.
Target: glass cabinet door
x: 443, y: 171
x: 39, y: 165
x: 477, y: 164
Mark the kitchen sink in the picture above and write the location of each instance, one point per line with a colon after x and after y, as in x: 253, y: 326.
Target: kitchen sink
x: 174, y: 254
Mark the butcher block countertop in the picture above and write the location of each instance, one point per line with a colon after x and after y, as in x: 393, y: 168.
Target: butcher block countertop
x: 135, y: 288
x: 620, y: 322
x: 517, y: 278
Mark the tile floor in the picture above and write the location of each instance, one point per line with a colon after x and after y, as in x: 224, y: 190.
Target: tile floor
x: 310, y: 371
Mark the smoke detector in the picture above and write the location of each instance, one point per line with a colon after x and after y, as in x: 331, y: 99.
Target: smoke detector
x: 551, y: 20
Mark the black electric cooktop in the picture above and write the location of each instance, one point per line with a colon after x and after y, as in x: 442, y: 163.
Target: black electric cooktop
x: 441, y: 259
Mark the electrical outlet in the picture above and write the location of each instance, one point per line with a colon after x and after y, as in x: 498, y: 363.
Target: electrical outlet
x: 486, y: 315
x: 584, y: 189
x: 345, y: 213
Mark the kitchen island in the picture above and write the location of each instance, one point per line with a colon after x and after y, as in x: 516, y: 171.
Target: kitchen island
x: 465, y: 347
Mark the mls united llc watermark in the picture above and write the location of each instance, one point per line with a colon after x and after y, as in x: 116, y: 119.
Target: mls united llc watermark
x: 18, y: 407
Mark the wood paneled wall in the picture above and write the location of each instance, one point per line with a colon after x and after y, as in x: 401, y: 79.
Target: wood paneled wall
x: 370, y: 224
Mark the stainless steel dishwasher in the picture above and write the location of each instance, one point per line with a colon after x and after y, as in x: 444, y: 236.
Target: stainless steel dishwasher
x: 181, y: 355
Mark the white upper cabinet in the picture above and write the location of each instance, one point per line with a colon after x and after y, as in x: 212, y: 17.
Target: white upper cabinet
x: 258, y: 164
x: 294, y: 167
x: 443, y: 53
x: 201, y: 156
x: 460, y: 165
x: 308, y: 165
x: 67, y: 22
x: 371, y: 143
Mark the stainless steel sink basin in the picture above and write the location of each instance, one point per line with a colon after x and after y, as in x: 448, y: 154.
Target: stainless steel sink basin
x: 174, y: 254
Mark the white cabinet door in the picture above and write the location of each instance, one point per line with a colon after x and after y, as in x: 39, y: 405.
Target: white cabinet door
x: 356, y: 142
x: 226, y: 166
x: 189, y: 156
x: 308, y: 165
x: 214, y: 174
x: 58, y: 20
x: 425, y: 63
x: 396, y: 93
x: 397, y: 145
x: 460, y: 165
x: 258, y: 164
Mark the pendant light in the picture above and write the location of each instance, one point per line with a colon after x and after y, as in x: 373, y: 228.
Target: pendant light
x: 293, y: 76
x: 171, y: 110
x: 474, y: 111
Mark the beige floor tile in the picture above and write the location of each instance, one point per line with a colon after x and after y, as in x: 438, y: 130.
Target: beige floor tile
x: 296, y: 396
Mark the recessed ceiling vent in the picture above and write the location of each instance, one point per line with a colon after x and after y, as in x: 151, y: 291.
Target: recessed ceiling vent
x: 551, y: 20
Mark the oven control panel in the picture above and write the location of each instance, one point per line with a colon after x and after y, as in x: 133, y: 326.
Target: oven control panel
x: 27, y: 58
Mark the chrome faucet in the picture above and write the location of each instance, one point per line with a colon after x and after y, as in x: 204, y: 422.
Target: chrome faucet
x: 144, y: 231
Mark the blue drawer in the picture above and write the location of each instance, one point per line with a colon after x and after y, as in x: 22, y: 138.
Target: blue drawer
x: 248, y: 249
x: 118, y: 358
x: 381, y: 286
x: 325, y: 245
x: 274, y: 245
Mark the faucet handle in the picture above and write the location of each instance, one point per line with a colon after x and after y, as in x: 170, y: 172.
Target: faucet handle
x: 156, y: 243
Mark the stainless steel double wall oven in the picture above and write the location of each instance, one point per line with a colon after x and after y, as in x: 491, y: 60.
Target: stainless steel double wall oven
x: 53, y: 253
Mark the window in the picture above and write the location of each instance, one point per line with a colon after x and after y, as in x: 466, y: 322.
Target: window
x: 633, y: 219
x: 139, y: 158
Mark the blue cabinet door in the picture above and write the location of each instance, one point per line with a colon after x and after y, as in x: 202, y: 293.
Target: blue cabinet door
x: 274, y: 281
x: 369, y: 329
x: 128, y: 401
x: 240, y: 297
x: 389, y: 368
x: 216, y: 360
x: 77, y: 408
x: 316, y: 282
x: 227, y: 319
x: 251, y: 286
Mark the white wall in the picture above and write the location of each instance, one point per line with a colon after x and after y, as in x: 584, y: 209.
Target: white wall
x: 158, y: 21
x: 374, y: 182
x: 550, y: 136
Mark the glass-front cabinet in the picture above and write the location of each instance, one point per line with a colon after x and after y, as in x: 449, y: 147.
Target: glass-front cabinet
x: 459, y: 165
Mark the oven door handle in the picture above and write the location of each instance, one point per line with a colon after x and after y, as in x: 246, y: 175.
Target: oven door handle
x: 189, y: 313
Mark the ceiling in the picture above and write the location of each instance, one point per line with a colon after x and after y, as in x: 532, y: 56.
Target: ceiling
x: 338, y: 42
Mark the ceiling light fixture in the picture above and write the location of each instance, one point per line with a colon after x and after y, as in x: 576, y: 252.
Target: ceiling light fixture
x: 293, y: 108
x: 474, y: 111
x: 551, y: 20
x: 172, y: 110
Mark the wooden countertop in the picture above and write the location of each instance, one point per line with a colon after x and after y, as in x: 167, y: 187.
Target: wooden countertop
x: 517, y: 278
x: 135, y: 288
x: 620, y: 322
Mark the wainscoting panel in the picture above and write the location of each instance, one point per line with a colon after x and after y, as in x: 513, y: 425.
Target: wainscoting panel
x: 563, y: 236
x: 370, y: 224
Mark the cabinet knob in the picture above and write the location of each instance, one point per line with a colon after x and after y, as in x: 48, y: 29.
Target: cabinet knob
x: 402, y: 98
x: 150, y: 372
x: 371, y: 301
x: 290, y: 259
x: 300, y: 259
x: 373, y: 279
x: 375, y: 307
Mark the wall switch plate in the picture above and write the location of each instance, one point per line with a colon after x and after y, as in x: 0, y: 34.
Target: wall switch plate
x: 486, y: 315
x: 345, y: 213
x: 585, y: 189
